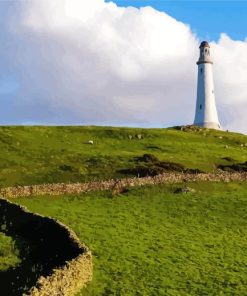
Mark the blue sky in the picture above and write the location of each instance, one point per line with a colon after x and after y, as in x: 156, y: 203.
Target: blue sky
x: 208, y: 19
x: 88, y: 62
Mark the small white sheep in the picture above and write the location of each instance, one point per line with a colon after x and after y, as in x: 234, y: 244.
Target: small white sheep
x: 89, y: 142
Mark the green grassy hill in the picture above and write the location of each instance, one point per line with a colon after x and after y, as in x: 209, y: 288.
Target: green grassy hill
x: 150, y: 241
x: 36, y: 155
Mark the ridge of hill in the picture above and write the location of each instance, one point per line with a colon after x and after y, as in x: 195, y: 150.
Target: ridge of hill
x: 40, y: 154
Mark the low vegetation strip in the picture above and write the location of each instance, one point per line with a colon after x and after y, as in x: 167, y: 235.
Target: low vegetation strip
x: 54, y: 261
x: 119, y: 184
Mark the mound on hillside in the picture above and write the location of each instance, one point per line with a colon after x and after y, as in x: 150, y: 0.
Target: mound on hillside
x: 150, y: 165
x: 236, y: 167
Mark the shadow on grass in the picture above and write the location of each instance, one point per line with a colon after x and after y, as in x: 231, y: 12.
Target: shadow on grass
x: 36, y: 259
x: 18, y: 280
x: 43, y: 245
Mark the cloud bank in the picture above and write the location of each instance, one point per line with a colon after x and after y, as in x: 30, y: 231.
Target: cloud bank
x: 91, y: 62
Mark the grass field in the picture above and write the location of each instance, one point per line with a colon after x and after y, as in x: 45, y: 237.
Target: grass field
x: 147, y: 241
x: 37, y: 155
x: 150, y: 241
x: 9, y: 254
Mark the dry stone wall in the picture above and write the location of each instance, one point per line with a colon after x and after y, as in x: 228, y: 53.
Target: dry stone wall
x: 75, y: 188
x: 62, y: 264
x: 55, y: 262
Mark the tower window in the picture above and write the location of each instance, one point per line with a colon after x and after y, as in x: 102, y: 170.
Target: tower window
x: 201, y: 107
x: 212, y: 91
x: 201, y: 70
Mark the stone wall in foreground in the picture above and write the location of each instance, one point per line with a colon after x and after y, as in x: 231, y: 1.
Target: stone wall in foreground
x: 63, y: 263
x: 75, y: 188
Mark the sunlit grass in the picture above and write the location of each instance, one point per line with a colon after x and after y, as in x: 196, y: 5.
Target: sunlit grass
x: 37, y: 155
x: 9, y: 254
x: 150, y: 241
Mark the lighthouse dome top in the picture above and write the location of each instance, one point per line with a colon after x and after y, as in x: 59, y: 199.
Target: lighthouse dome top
x: 204, y: 44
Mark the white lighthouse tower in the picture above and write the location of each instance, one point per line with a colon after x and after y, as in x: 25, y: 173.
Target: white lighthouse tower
x: 206, y: 112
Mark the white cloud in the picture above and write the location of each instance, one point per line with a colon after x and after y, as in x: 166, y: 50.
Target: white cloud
x: 231, y: 81
x: 93, y: 62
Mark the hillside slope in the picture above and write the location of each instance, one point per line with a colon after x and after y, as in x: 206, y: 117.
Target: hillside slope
x: 152, y: 241
x: 36, y: 155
